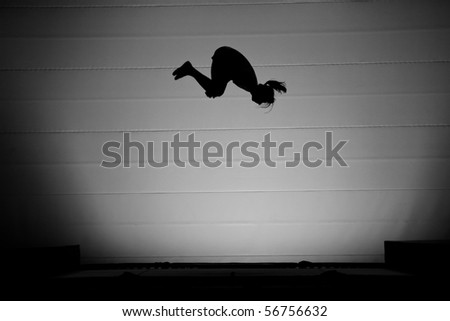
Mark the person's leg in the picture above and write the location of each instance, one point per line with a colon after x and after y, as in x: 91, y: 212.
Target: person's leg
x: 188, y: 70
x: 212, y: 88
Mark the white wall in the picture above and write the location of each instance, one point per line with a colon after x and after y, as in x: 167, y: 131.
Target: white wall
x: 373, y: 73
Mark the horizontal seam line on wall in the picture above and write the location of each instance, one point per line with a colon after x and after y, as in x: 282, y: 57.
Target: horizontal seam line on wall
x: 143, y: 130
x: 183, y: 5
x: 144, y: 68
x: 167, y: 98
x: 259, y: 222
x: 231, y: 192
x: 70, y: 37
x: 262, y: 160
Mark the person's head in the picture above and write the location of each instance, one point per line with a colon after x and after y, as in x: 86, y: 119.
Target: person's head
x: 264, y: 95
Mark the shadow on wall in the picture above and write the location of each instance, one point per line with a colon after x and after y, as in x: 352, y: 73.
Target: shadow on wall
x: 29, y: 217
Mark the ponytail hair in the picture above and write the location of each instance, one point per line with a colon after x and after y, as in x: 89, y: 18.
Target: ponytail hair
x: 278, y: 86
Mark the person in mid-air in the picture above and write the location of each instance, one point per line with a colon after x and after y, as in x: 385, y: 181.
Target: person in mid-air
x: 228, y: 64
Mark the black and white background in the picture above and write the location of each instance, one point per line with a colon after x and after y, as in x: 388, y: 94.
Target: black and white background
x: 78, y: 73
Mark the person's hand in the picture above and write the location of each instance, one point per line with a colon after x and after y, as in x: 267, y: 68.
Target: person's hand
x: 214, y: 92
x: 210, y: 94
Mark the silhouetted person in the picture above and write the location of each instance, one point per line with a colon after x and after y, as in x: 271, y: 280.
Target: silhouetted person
x: 230, y: 65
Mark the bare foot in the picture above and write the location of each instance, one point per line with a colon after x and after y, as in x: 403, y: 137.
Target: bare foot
x: 183, y: 70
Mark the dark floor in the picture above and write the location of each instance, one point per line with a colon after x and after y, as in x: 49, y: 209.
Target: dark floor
x: 291, y: 281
